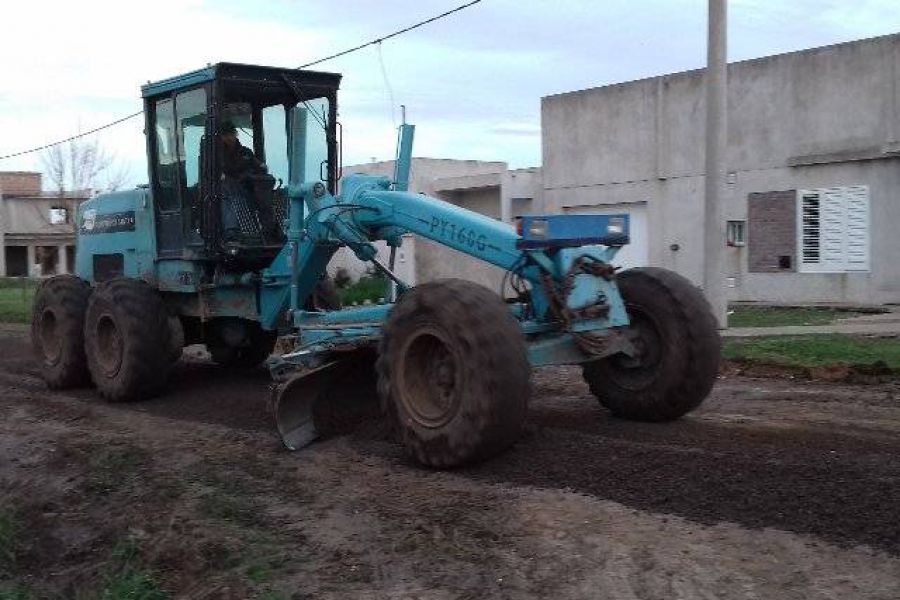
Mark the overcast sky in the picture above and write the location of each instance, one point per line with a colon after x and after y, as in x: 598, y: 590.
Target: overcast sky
x: 472, y: 82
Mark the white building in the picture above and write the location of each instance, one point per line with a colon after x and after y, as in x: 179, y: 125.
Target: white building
x: 37, y: 235
x: 813, y: 157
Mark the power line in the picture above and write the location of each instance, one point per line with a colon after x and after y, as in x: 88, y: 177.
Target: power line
x: 387, y: 85
x: 395, y: 34
x: 315, y: 62
x: 74, y: 137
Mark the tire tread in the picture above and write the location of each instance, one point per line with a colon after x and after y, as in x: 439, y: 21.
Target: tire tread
x: 495, y: 354
x: 701, y: 343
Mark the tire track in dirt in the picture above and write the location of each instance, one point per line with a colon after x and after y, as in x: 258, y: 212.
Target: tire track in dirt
x: 831, y: 483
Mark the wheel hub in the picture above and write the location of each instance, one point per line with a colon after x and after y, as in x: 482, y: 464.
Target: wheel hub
x: 51, y: 344
x: 641, y: 368
x: 109, y: 346
x: 427, y: 379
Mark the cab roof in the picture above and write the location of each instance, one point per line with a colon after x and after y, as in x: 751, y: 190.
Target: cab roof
x: 240, y: 72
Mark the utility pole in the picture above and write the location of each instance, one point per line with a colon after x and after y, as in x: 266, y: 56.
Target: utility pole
x: 716, y: 146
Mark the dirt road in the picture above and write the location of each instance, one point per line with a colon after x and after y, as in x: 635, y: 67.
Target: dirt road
x: 774, y: 489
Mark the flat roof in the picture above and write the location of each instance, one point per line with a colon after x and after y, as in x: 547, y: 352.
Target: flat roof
x: 890, y: 37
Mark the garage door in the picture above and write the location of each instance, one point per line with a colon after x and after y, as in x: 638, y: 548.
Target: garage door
x: 636, y: 253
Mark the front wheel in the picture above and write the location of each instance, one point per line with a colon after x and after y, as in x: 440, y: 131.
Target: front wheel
x: 678, y: 350
x: 453, y: 372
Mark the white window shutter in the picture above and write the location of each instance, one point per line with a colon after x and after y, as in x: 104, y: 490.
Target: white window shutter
x: 857, y: 232
x: 833, y: 229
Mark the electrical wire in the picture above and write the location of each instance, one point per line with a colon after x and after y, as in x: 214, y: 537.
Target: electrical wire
x: 309, y: 64
x: 74, y: 137
x: 387, y: 85
x: 393, y: 35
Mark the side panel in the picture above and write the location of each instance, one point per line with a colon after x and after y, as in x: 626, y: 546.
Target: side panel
x: 116, y: 229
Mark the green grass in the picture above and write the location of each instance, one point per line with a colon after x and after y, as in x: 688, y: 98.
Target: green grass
x: 113, y: 469
x: 124, y: 578
x: 815, y: 350
x: 10, y: 530
x: 772, y: 316
x: 370, y: 287
x: 17, y: 593
x: 15, y: 300
x: 131, y: 584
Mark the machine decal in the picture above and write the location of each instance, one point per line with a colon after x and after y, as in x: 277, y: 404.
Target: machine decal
x: 92, y: 223
x: 460, y: 235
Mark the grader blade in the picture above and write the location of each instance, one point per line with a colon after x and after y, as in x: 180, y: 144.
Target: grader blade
x: 329, y: 399
x: 293, y: 403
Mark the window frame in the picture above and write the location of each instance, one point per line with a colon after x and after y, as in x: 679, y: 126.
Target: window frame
x: 736, y: 233
x: 153, y: 146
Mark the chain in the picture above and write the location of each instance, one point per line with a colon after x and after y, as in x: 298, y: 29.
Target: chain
x: 559, y: 292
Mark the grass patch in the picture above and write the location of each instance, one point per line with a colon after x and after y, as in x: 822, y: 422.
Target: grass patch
x: 113, y: 469
x: 815, y: 350
x: 228, y: 498
x: 131, y: 584
x: 16, y: 296
x: 234, y: 508
x: 369, y: 287
x: 124, y: 579
x: 10, y: 531
x: 17, y: 593
x: 775, y: 316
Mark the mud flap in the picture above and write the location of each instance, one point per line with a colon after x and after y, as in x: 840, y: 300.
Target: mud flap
x: 294, y: 401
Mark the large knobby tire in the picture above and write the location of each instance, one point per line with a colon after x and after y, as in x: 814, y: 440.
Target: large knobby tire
x: 253, y: 352
x: 679, y: 350
x: 127, y: 340
x: 453, y: 373
x: 57, y: 331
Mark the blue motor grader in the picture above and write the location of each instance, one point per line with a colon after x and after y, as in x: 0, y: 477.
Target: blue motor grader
x: 235, y: 261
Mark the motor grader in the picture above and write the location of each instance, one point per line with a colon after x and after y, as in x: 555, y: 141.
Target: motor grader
x: 189, y: 259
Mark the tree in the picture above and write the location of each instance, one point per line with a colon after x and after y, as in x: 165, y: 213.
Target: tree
x: 83, y: 166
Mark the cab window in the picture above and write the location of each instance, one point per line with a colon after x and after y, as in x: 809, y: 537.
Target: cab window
x: 165, y: 162
x: 309, y: 138
x: 190, y: 107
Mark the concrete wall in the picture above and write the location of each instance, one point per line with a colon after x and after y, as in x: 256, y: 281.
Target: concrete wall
x: 813, y: 119
x: 20, y: 183
x: 483, y: 200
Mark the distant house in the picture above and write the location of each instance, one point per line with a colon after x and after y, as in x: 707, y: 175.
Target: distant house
x: 37, y: 233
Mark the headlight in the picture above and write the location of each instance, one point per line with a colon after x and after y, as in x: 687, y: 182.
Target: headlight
x: 538, y: 228
x: 616, y: 226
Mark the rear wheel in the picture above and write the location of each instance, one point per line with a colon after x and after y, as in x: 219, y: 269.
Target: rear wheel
x: 453, y: 372
x: 678, y: 350
x: 127, y: 340
x: 57, y: 331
